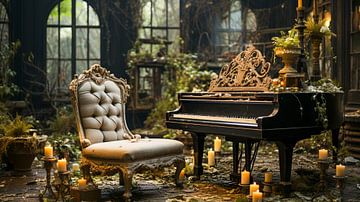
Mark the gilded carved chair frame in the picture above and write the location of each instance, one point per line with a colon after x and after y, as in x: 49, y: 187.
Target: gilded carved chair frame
x: 126, y: 170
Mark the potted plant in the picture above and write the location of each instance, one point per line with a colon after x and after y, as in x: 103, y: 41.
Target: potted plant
x: 287, y: 47
x: 18, y: 147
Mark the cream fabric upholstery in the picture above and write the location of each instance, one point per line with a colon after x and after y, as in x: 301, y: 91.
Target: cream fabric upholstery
x: 99, y: 99
x: 126, y: 151
x: 100, y: 109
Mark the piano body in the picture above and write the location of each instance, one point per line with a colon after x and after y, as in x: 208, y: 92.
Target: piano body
x: 251, y: 116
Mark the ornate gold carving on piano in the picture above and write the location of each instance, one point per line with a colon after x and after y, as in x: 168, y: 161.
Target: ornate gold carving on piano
x: 248, y: 71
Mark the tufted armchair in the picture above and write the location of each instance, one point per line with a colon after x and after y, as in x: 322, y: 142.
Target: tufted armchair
x: 99, y: 99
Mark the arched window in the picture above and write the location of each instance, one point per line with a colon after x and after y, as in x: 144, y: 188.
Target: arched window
x: 73, y: 42
x: 160, y: 21
x: 232, y: 28
x: 4, y: 26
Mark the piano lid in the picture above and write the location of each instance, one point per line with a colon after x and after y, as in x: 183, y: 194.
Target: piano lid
x: 248, y: 71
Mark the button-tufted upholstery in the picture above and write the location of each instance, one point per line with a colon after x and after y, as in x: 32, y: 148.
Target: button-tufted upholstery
x: 99, y: 104
x: 101, y: 111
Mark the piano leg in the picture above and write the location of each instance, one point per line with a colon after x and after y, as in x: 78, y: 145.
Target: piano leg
x: 248, y: 147
x: 335, y: 142
x: 285, y: 156
x: 198, y: 144
x: 234, y: 176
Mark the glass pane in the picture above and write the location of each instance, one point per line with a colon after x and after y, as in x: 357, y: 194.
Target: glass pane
x: 81, y: 65
x: 52, y: 72
x: 235, y: 15
x: 93, y: 17
x: 223, y: 38
x: 53, y: 17
x: 146, y: 12
x: 144, y: 34
x: 159, y: 33
x: 92, y: 62
x: 52, y: 43
x: 65, y: 43
x: 4, y: 34
x: 174, y: 13
x: 3, y: 13
x: 159, y: 13
x: 65, y: 12
x: 65, y: 75
x: 81, y: 12
x: 251, y: 21
x: 94, y: 35
x: 174, y: 34
x: 81, y: 43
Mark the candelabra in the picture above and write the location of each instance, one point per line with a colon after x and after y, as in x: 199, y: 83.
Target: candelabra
x: 48, y: 192
x: 300, y: 26
x: 64, y: 185
x: 340, y: 180
x: 267, y: 189
x: 323, y: 165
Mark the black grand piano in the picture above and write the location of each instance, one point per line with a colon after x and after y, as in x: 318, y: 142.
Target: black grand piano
x: 241, y: 108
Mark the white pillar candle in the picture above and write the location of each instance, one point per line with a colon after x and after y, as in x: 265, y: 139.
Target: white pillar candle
x: 75, y: 167
x: 245, y: 177
x: 61, y: 165
x: 211, y: 157
x: 257, y: 196
x: 340, y: 170
x: 268, y: 177
x: 253, y: 188
x: 48, y: 151
x: 217, y: 144
x: 82, y: 183
x: 323, y: 154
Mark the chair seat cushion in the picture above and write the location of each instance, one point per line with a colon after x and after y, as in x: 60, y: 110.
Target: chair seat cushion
x: 125, y: 151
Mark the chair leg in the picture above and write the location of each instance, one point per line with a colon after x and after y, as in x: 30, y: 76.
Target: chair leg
x: 121, y: 178
x: 127, y: 179
x: 180, y: 164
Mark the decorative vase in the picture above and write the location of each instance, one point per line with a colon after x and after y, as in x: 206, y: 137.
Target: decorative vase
x: 22, y: 151
x: 289, y: 57
x: 315, y: 45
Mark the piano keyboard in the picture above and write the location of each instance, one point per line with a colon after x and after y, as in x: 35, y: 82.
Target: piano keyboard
x: 216, y: 118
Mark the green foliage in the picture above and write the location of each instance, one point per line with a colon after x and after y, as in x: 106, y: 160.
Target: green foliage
x: 66, y: 145
x: 182, y: 74
x: 18, y: 127
x: 287, y: 41
x: 316, y: 29
x: 323, y: 85
x: 7, y: 87
x: 64, y: 121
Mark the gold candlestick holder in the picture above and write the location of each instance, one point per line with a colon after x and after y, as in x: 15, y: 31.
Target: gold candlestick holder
x: 323, y: 165
x: 64, y: 186
x: 245, y: 188
x: 267, y: 188
x: 48, y: 192
x: 340, y: 181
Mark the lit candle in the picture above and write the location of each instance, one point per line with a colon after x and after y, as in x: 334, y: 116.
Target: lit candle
x: 323, y: 154
x: 268, y: 177
x: 217, y: 144
x: 211, y: 157
x: 182, y: 175
x: 299, y: 3
x: 82, y: 183
x: 75, y: 167
x: 257, y: 196
x: 48, y: 151
x: 340, y: 170
x: 245, y: 177
x: 61, y: 165
x: 253, y: 188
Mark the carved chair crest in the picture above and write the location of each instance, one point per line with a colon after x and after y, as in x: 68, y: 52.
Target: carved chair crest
x: 99, y: 75
x: 248, y: 71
